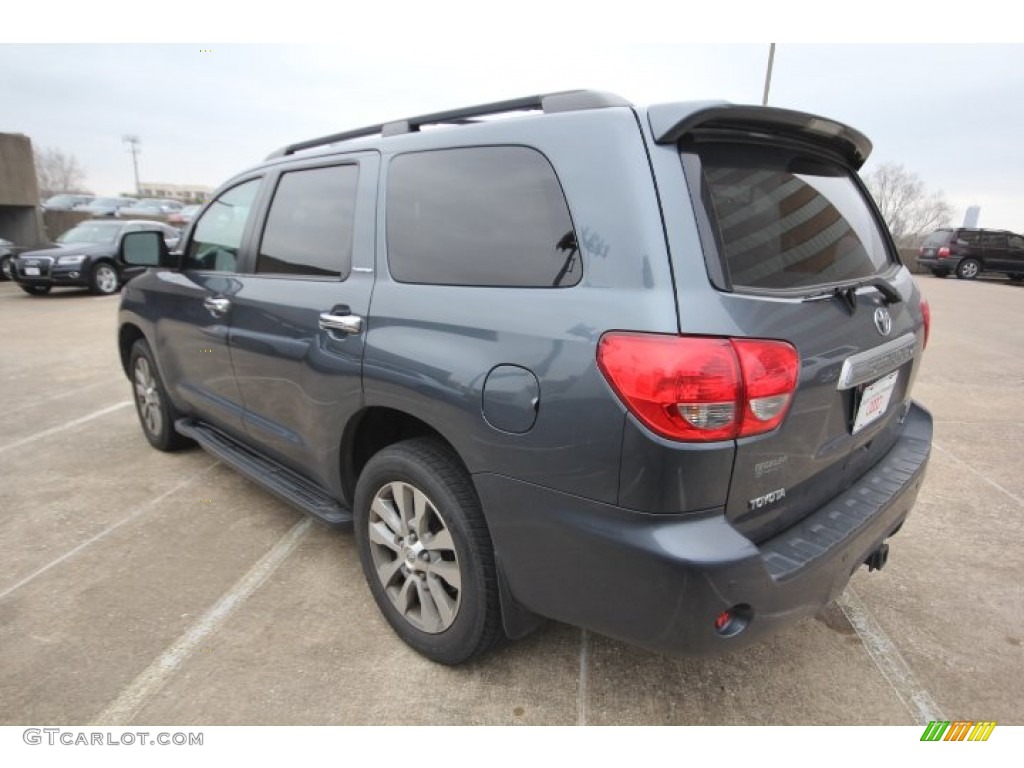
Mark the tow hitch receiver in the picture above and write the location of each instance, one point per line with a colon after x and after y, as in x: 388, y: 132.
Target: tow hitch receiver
x: 877, y: 559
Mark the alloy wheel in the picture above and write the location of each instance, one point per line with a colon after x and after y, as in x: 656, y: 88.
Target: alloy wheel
x: 106, y: 279
x: 414, y: 557
x: 148, y: 396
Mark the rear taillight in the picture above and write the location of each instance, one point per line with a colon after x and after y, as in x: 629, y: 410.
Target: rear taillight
x: 701, y: 389
x: 943, y: 252
x: 770, y: 371
x: 926, y: 313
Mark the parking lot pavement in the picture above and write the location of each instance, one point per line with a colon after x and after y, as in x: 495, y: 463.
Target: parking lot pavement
x: 140, y: 587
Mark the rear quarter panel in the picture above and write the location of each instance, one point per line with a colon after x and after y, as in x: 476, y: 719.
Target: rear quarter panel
x: 430, y: 347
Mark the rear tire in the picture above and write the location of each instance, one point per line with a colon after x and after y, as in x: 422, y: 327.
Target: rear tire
x: 35, y: 290
x: 968, y: 269
x: 426, y: 551
x: 5, y: 269
x: 156, y: 412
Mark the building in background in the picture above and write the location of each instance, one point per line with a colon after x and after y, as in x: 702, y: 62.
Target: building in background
x: 971, y: 217
x: 186, y: 193
x: 20, y: 221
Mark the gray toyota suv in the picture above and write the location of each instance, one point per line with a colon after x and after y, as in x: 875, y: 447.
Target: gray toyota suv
x: 647, y: 371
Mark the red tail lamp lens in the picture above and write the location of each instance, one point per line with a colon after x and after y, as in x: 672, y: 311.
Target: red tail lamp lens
x: 699, y: 388
x: 926, y: 313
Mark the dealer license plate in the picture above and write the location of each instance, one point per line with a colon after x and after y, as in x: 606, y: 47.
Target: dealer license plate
x: 874, y: 401
x: 32, y: 271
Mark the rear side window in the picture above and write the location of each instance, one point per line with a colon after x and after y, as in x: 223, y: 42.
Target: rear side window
x: 993, y: 239
x: 969, y: 238
x: 485, y: 216
x: 309, y: 226
x: 784, y: 220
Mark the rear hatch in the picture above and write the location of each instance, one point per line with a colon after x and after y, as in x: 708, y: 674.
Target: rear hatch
x: 937, y: 239
x: 796, y: 252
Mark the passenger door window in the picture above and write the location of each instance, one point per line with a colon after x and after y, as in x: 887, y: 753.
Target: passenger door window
x: 1017, y: 242
x: 218, y: 233
x: 993, y: 240
x: 309, y: 226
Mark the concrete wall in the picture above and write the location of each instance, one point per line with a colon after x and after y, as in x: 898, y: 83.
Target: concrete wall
x: 17, y: 171
x: 909, y: 256
x: 21, y: 225
x: 59, y: 222
x: 19, y: 194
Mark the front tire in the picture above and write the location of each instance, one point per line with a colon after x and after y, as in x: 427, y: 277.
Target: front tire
x: 103, y: 279
x: 156, y: 412
x: 426, y: 551
x: 968, y: 269
x: 35, y: 290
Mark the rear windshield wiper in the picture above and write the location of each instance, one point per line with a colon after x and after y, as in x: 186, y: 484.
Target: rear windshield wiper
x: 846, y: 292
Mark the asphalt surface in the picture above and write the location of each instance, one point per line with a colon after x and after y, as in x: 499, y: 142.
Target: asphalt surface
x: 145, y: 588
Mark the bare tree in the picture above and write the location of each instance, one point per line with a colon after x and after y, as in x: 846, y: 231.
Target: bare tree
x: 908, y: 210
x: 58, y: 171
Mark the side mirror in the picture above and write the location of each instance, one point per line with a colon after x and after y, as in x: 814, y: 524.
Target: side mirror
x: 146, y: 249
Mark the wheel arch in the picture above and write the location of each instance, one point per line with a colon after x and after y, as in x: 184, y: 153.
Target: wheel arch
x: 377, y: 427
x: 127, y: 335
x: 98, y: 260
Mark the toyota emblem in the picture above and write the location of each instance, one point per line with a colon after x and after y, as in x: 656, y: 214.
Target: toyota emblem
x: 883, y: 322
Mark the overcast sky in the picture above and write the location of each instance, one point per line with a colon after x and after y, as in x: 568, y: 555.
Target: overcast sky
x: 952, y: 114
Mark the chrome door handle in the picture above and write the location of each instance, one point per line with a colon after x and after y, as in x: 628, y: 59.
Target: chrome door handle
x: 217, y: 306
x: 343, y: 323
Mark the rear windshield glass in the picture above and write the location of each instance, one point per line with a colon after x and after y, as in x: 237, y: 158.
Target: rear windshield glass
x: 784, y: 220
x: 938, y: 237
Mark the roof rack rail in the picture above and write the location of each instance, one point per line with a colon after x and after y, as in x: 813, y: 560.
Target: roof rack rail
x: 562, y: 101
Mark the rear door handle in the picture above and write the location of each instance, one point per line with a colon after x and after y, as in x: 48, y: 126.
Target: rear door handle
x: 216, y: 306
x: 346, y: 323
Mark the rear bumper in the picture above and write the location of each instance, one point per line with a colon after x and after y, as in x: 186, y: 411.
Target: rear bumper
x: 659, y: 580
x: 934, y: 262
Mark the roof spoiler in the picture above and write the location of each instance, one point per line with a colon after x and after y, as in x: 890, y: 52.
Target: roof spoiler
x: 671, y: 123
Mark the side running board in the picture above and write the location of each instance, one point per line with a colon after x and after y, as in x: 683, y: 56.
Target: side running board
x: 282, y: 482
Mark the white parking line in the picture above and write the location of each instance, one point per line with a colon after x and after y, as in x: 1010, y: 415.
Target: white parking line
x: 59, y: 396
x: 155, y: 676
x: 581, y: 687
x: 65, y: 425
x: 106, y: 531
x: 991, y: 482
x: 887, y: 658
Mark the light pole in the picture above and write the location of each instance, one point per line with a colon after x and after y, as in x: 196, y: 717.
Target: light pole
x: 768, y: 75
x: 133, y: 143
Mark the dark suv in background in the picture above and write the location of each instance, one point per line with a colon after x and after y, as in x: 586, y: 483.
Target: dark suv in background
x: 642, y: 370
x: 85, y: 256
x: 969, y: 252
